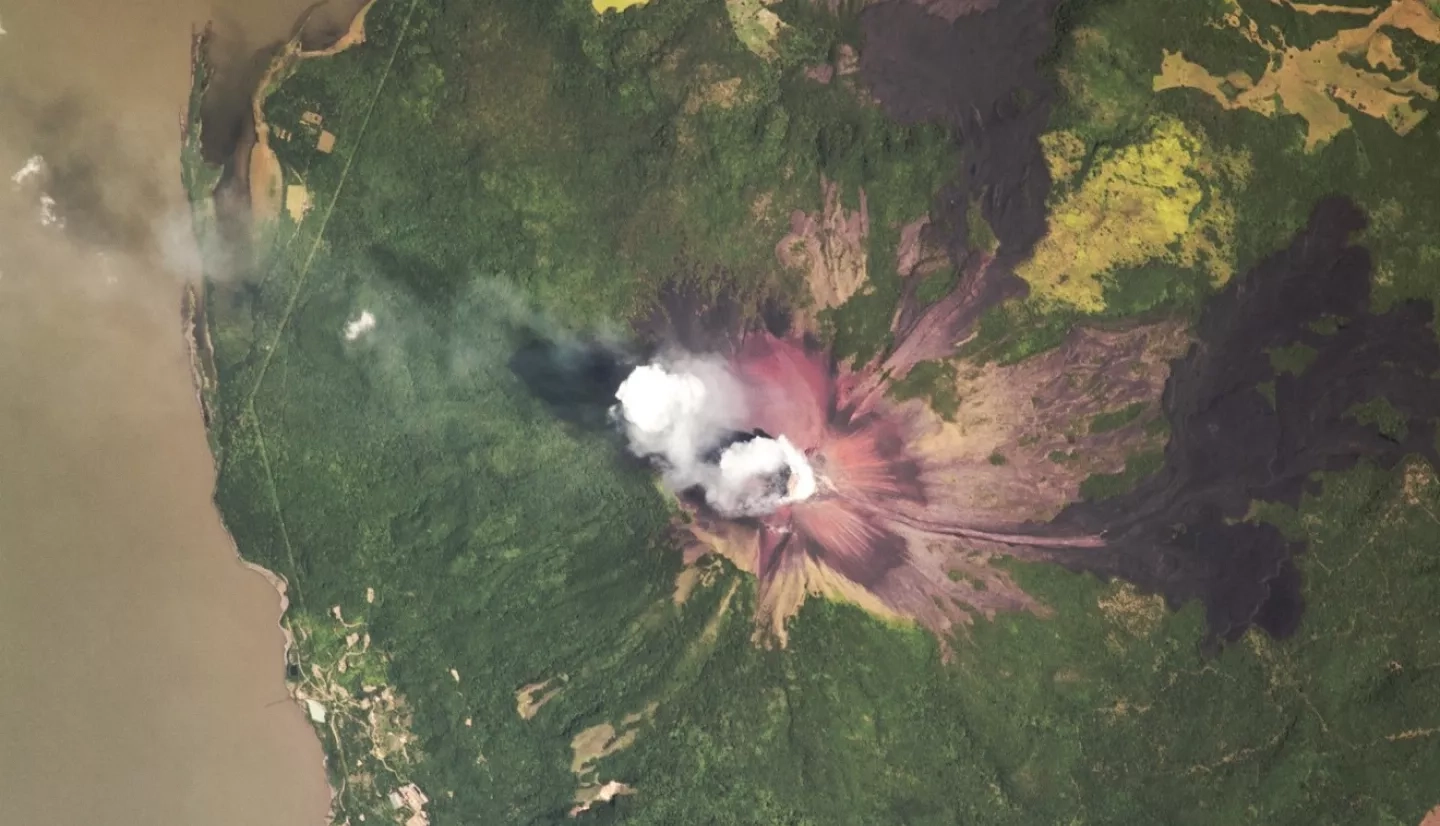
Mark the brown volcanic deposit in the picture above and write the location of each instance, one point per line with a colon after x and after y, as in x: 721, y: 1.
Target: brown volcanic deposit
x: 1018, y: 420
x: 912, y: 511
x: 1314, y: 81
x: 829, y: 247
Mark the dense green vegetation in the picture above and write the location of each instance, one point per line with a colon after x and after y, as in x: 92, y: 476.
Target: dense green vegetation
x: 1104, y: 63
x: 1116, y: 419
x: 1292, y: 359
x: 933, y: 381
x: 1137, y: 467
x: 516, y: 161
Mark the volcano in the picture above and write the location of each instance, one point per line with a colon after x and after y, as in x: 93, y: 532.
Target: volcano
x: 910, y: 512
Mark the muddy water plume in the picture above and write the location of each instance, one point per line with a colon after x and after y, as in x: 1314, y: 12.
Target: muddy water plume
x: 144, y: 665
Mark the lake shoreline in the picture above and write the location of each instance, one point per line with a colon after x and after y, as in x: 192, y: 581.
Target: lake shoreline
x: 266, y: 193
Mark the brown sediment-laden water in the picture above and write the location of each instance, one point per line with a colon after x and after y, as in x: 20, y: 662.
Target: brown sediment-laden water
x: 143, y: 671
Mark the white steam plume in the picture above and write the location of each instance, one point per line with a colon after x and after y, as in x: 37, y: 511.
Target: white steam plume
x: 760, y: 475
x: 680, y: 409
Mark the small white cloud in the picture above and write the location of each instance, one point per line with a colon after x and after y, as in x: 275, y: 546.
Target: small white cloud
x: 34, y: 165
x: 360, y: 326
x: 48, y: 216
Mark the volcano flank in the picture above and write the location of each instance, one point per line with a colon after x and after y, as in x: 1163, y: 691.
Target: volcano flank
x: 907, y: 520
x: 910, y: 512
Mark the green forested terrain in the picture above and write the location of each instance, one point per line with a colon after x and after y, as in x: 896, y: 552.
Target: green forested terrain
x: 498, y: 163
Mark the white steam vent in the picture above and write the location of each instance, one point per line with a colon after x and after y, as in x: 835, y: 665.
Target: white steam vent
x: 679, y: 410
x: 760, y: 475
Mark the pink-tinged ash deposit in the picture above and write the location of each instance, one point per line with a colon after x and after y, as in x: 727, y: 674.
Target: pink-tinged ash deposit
x: 908, y: 511
x: 815, y: 479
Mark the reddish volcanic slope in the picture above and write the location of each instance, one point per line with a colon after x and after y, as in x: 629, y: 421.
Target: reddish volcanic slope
x: 911, y: 510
